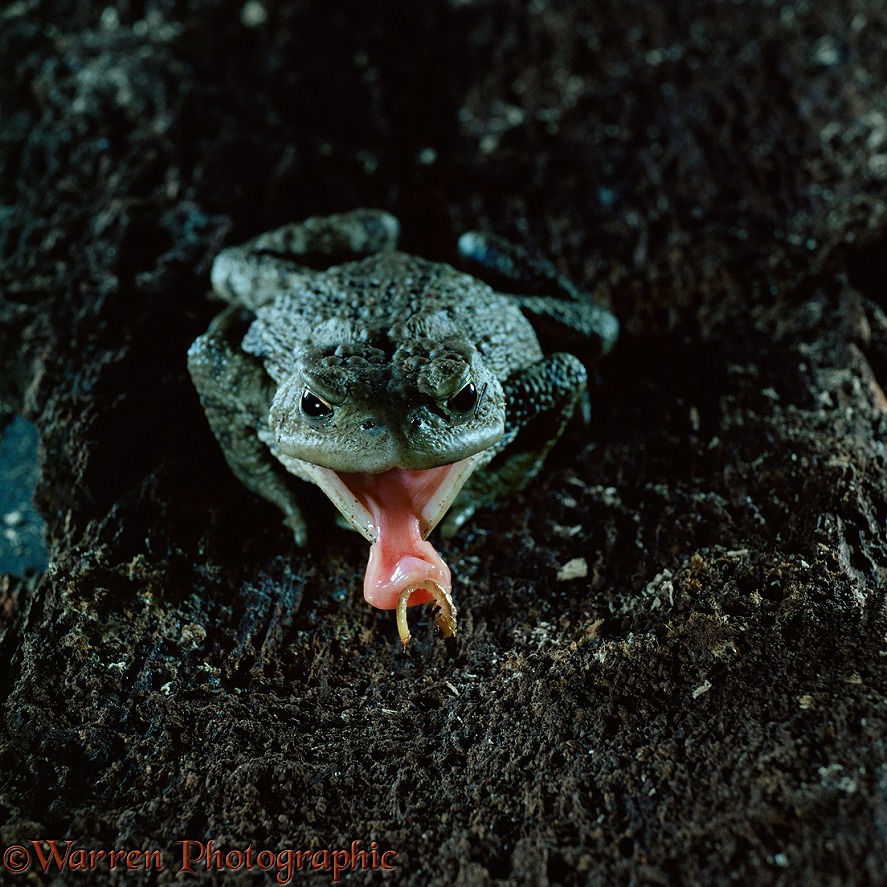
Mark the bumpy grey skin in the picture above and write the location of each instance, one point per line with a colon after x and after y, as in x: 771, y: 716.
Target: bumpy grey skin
x: 388, y: 360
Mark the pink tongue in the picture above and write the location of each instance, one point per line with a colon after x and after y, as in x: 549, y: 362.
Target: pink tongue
x: 406, y: 561
x: 400, y: 558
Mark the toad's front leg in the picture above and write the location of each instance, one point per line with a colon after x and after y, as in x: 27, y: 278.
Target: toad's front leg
x: 236, y: 393
x: 539, y: 403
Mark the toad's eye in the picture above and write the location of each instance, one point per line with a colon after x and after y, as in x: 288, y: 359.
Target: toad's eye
x: 464, y: 400
x: 315, y: 407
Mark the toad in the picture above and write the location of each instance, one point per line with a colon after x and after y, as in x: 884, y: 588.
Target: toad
x: 411, y: 393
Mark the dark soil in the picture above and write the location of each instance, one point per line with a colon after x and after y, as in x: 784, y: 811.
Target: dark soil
x: 706, y: 704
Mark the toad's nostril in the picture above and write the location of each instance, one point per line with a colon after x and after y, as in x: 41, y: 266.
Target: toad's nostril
x: 377, y: 431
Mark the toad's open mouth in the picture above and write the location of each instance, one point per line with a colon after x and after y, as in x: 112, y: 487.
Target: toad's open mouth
x: 395, y: 511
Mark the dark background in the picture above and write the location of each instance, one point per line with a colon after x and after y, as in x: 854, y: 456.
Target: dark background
x: 706, y: 705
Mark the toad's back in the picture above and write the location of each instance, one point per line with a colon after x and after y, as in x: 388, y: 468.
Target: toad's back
x: 389, y: 298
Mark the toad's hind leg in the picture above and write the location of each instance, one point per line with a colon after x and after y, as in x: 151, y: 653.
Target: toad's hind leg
x: 540, y: 401
x: 507, y: 260
x: 235, y: 393
x: 254, y: 273
x: 565, y: 318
